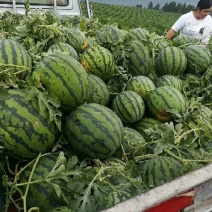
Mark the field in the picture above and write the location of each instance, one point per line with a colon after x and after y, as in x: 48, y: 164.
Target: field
x: 131, y: 17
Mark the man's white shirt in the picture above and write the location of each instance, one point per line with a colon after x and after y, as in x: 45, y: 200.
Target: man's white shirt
x: 188, y: 25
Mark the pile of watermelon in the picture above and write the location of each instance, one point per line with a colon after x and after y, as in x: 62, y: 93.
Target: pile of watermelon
x: 92, y: 115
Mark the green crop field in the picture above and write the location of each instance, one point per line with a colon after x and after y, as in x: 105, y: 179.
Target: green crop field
x: 131, y: 17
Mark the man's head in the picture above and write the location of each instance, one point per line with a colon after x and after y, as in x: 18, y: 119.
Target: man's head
x: 204, y: 8
x: 204, y: 4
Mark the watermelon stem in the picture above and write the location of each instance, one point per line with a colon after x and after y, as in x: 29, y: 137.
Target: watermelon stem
x: 147, y: 156
x: 29, y: 180
x: 177, y: 141
x: 182, y: 160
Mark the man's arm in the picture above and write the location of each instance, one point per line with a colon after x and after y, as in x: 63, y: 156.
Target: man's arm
x: 170, y: 33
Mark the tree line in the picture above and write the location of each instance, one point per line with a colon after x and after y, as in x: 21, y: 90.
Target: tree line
x: 171, y: 7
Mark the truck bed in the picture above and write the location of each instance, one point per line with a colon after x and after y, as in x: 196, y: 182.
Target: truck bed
x: 191, y: 193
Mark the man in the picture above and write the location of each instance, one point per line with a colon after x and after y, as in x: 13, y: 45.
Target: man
x: 196, y: 24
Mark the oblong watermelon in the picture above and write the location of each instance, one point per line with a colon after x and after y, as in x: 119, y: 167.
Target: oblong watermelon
x: 138, y: 59
x: 14, y: 57
x: 129, y: 106
x: 160, y: 170
x: 97, y: 91
x: 198, y: 57
x: 25, y: 130
x: 65, y: 77
x: 99, y: 61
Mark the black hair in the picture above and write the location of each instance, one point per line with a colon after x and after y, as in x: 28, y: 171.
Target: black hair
x: 204, y: 4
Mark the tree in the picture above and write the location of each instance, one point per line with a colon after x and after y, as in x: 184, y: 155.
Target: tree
x: 157, y: 7
x: 179, y: 8
x: 150, y: 5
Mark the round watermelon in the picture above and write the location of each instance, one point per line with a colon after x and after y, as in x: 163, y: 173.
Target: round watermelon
x: 94, y: 131
x: 165, y: 99
x: 170, y: 60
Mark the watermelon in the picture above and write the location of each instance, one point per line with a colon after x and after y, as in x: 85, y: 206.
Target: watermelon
x: 62, y: 47
x: 99, y: 61
x: 169, y: 80
x: 141, y: 85
x: 25, y: 129
x: 144, y: 124
x: 138, y: 59
x: 110, y: 35
x: 170, y: 60
x: 76, y: 39
x: 14, y: 57
x: 160, y: 170
x: 182, y: 40
x: 163, y: 99
x: 53, y: 15
x: 138, y: 34
x: 129, y: 106
x: 42, y: 193
x: 198, y: 57
x: 97, y: 91
x: 133, y: 144
x: 93, y: 130
x: 65, y: 77
x: 158, y: 42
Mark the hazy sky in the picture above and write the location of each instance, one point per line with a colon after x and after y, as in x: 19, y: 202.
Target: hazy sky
x: 143, y: 2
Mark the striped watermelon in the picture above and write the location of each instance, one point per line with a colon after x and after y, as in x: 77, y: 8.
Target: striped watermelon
x: 118, y: 196
x: 169, y: 80
x: 182, y: 40
x: 138, y: 34
x: 163, y: 99
x: 93, y: 130
x: 198, y: 57
x: 53, y: 15
x: 170, y: 60
x: 62, y: 47
x: 99, y: 61
x: 133, y: 144
x: 25, y: 131
x: 97, y: 91
x: 14, y: 57
x: 76, y: 39
x: 138, y: 60
x: 201, y: 119
x: 158, y: 42
x: 160, y: 170
x: 141, y: 85
x: 129, y: 106
x: 144, y: 124
x: 65, y: 77
x: 110, y: 35
x: 42, y: 194
x: 206, y: 112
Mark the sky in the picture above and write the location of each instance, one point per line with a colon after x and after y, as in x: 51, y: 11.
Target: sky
x: 144, y: 2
